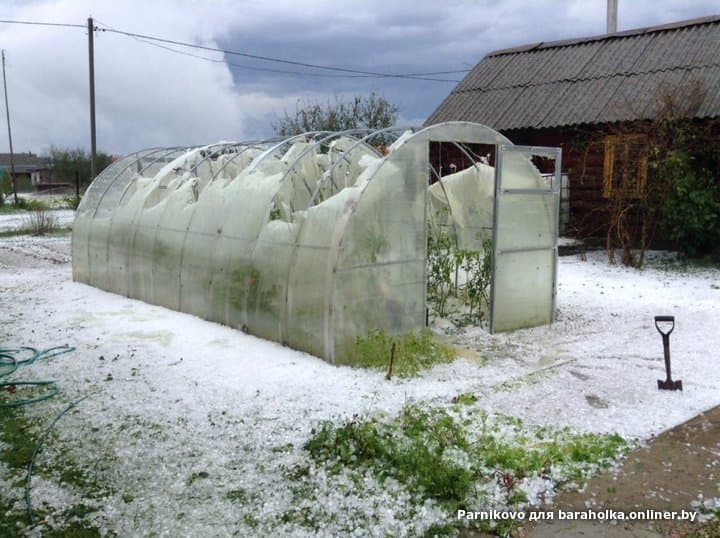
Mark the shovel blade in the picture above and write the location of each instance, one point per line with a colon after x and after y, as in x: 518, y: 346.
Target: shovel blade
x: 669, y: 385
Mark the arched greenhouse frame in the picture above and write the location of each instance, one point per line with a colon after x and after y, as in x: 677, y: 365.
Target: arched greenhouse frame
x: 318, y: 239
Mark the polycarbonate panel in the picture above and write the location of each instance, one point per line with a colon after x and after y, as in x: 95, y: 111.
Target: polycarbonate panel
x: 525, y: 239
x: 524, y: 290
x: 314, y: 241
x: 121, y: 220
x: 380, y: 273
x: 527, y: 221
x: 85, y: 212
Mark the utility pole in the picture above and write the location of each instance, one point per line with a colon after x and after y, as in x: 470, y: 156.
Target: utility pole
x: 91, y: 59
x: 7, y: 110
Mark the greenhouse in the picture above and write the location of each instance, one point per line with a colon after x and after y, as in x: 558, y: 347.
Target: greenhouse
x: 316, y: 240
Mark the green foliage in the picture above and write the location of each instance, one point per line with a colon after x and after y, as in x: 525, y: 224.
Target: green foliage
x: 5, y: 186
x: 410, y: 450
x: 71, y: 201
x: 466, y: 398
x: 374, y: 244
x: 478, y: 268
x: 435, y: 456
x: 19, y: 435
x: 680, y: 198
x: 29, y: 204
x: 371, y: 112
x: 462, y: 303
x: 709, y: 529
x: 441, y: 261
x: 691, y: 212
x: 15, y: 432
x: 66, y: 161
x: 413, y: 352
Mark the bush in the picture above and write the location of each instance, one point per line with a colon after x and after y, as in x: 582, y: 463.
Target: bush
x: 41, y: 222
x: 71, y: 201
x: 691, y: 213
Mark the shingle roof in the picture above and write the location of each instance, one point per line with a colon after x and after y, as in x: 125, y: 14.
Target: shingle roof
x: 24, y: 162
x: 607, y: 78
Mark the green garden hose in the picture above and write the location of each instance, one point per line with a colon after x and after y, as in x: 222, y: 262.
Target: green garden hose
x: 10, y: 360
x: 28, y: 476
x: 13, y: 358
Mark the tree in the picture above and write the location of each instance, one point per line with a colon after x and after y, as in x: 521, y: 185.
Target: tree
x: 371, y: 112
x: 66, y: 161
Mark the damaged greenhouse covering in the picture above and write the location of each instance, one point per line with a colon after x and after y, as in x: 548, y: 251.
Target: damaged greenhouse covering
x: 316, y: 240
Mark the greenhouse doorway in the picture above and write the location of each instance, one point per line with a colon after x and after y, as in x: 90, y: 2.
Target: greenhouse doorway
x: 492, y: 234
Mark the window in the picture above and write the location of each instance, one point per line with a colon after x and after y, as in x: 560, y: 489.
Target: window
x: 626, y: 164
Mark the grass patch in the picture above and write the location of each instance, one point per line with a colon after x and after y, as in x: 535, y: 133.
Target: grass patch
x: 23, y: 205
x: 466, y: 398
x: 64, y: 230
x: 414, y: 352
x: 711, y: 529
x: 462, y: 459
x: 19, y: 437
x: 16, y: 432
x: 76, y: 529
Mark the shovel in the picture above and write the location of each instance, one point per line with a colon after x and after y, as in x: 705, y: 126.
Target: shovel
x: 668, y: 384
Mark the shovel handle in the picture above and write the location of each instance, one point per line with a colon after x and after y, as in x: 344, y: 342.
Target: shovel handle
x: 665, y: 319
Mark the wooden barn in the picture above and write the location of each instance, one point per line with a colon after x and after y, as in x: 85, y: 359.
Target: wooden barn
x: 599, y: 99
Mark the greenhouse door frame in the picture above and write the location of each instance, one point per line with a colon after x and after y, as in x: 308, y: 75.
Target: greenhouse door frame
x: 503, y: 302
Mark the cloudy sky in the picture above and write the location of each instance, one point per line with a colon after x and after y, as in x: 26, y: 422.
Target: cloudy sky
x: 149, y: 96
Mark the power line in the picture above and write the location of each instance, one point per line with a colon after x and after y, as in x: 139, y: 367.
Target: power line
x: 413, y: 76
x: 269, y: 69
x: 349, y: 73
x: 233, y: 64
x: 38, y: 23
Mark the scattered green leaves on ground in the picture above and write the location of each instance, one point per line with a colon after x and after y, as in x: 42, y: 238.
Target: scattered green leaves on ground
x: 462, y: 457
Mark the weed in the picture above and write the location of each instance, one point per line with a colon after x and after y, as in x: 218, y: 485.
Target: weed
x: 236, y: 495
x: 76, y: 529
x: 41, y: 222
x: 436, y: 458
x: 709, y: 529
x: 70, y: 201
x: 413, y: 352
x: 84, y: 478
x: 466, y: 398
x: 16, y: 434
x: 250, y: 520
x: 197, y: 476
x: 29, y: 204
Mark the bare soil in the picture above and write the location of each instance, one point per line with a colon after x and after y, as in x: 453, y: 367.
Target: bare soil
x: 670, y: 472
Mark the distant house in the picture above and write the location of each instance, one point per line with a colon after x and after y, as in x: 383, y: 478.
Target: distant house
x: 30, y: 170
x: 595, y: 98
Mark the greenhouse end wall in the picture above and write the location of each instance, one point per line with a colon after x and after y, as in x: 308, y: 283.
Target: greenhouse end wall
x: 313, y: 241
